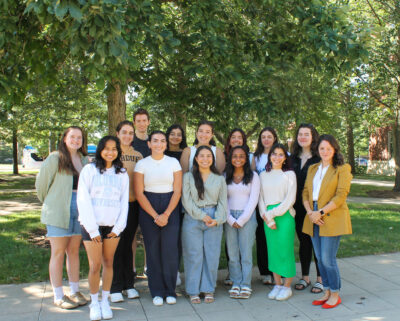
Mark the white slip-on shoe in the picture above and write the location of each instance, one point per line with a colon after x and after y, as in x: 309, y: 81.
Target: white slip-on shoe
x: 131, y: 293
x: 116, y: 297
x: 272, y: 295
x: 158, y: 301
x: 106, y: 312
x: 95, y: 311
x: 170, y: 300
x: 284, y: 294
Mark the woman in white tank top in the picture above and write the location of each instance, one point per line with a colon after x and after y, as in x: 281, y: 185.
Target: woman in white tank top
x: 204, y: 137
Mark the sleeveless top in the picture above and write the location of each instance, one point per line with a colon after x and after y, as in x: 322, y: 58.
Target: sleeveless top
x: 261, y: 162
x: 193, y: 151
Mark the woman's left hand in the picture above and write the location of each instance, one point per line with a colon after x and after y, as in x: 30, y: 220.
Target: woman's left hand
x: 316, y: 218
x: 112, y: 235
x: 212, y: 223
x: 162, y: 220
x: 236, y: 225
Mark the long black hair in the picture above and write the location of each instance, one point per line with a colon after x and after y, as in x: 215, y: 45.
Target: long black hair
x: 338, y: 158
x: 286, y: 166
x: 228, y: 146
x: 209, y: 123
x: 198, y: 181
x: 296, y: 148
x: 183, y: 143
x: 229, y: 170
x: 260, y: 148
x: 101, y: 163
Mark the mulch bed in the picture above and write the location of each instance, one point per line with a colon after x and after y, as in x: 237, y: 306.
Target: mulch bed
x: 384, y: 194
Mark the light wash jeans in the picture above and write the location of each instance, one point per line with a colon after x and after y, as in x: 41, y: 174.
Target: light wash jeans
x: 325, y: 249
x: 201, y: 250
x: 240, y: 249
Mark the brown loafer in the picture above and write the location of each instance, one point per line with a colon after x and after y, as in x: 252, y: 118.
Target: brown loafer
x: 78, y: 298
x: 66, y: 303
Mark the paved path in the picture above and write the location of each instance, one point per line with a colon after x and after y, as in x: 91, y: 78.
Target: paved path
x: 372, y: 182
x: 372, y: 200
x: 370, y: 291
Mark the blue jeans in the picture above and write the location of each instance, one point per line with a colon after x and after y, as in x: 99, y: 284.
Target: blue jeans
x: 325, y: 248
x: 201, y: 250
x: 240, y: 249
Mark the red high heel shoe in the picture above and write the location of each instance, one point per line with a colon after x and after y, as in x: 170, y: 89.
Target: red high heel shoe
x: 328, y: 306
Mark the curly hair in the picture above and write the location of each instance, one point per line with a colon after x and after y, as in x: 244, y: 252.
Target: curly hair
x: 101, y: 163
x: 229, y: 170
x: 286, y: 166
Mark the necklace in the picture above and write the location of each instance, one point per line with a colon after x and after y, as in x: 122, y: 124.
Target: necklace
x: 238, y: 178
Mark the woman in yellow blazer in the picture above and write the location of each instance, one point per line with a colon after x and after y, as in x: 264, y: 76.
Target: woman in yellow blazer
x: 324, y: 198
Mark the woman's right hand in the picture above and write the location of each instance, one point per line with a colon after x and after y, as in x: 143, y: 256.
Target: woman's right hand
x: 96, y: 239
x: 207, y: 219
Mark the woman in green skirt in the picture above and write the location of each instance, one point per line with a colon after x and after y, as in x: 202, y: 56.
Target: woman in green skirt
x: 278, y: 194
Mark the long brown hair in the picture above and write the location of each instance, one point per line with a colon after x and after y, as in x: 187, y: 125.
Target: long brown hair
x: 64, y: 157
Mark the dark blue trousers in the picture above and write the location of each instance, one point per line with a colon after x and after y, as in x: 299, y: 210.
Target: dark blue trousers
x: 161, y: 244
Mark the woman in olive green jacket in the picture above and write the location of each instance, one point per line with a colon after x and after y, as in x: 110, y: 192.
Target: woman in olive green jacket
x: 56, y: 186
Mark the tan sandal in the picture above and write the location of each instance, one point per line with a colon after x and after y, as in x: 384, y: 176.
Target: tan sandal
x: 195, y: 299
x: 208, y: 297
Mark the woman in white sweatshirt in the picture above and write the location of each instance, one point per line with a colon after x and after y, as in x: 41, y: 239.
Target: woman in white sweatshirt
x: 103, y: 196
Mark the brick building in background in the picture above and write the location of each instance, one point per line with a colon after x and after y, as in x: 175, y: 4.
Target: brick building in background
x: 380, y: 152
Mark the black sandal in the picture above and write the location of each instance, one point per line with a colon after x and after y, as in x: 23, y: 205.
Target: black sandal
x: 302, y: 284
x: 317, y: 288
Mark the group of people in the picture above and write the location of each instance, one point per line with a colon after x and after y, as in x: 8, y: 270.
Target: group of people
x: 184, y: 199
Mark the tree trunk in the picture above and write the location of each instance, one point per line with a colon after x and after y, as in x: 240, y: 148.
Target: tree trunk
x: 396, y: 150
x: 15, y: 151
x: 52, y: 142
x: 116, y: 104
x: 349, y: 134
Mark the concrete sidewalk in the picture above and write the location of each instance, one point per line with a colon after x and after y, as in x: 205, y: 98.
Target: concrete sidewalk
x: 370, y: 291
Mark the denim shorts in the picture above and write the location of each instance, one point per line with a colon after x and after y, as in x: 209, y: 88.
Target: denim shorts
x: 74, y: 227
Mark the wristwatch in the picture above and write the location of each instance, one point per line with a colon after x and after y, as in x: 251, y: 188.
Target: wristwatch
x: 322, y: 212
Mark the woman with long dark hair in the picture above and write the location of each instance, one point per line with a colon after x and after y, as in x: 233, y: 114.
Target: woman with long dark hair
x: 103, y: 203
x: 324, y: 198
x: 124, y: 278
x: 266, y: 139
x: 158, y: 187
x: 176, y: 141
x: 304, y: 154
x: 56, y: 186
x: 205, y: 202
x: 243, y: 192
x: 278, y: 194
x: 204, y: 137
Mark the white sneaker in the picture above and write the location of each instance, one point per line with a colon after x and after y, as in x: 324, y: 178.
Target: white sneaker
x: 116, y: 297
x: 131, y: 293
x: 267, y: 280
x: 170, y: 300
x: 178, y: 279
x: 272, y: 295
x: 157, y: 300
x: 106, y: 312
x: 284, y: 294
x: 95, y: 312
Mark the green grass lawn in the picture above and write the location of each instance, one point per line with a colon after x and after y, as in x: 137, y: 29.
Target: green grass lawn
x: 376, y: 230
x: 362, y: 190
x: 23, y: 181
x: 375, y: 177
